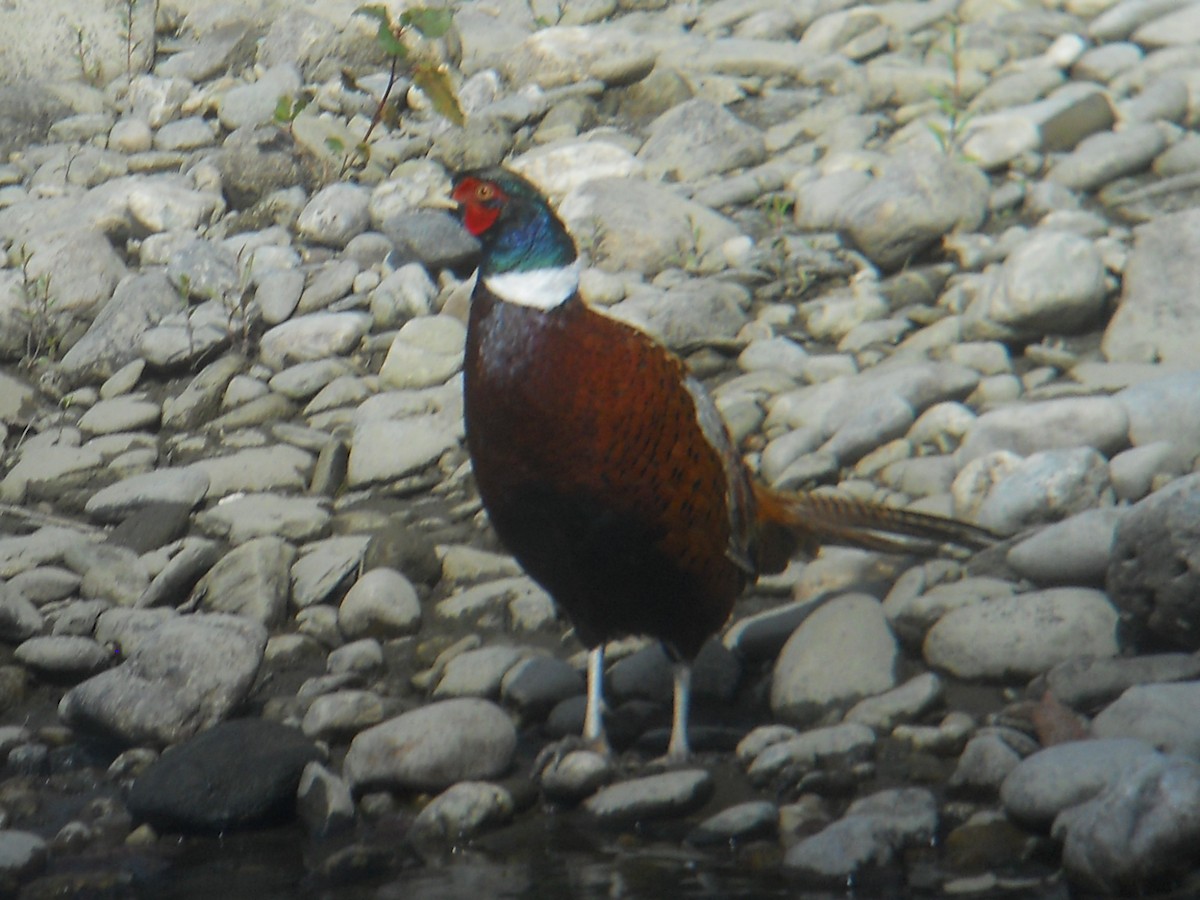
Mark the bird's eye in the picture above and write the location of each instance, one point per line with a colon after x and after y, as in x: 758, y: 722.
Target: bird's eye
x: 485, y: 192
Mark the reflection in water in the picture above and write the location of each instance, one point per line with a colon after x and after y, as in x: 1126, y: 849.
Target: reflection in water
x: 546, y: 858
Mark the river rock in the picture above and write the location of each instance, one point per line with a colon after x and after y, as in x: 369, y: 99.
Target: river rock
x: 1024, y: 635
x: 237, y: 774
x: 433, y: 747
x: 873, y: 831
x: 1159, y: 714
x: 180, y: 678
x: 1065, y: 775
x: 462, y: 811
x: 1133, y: 833
x: 1154, y: 317
x: 1145, y: 578
x: 252, y: 580
x: 669, y: 795
x: 807, y: 682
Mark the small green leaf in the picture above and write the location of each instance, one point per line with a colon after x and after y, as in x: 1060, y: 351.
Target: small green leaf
x: 283, y: 109
x: 432, y: 23
x: 390, y: 43
x: 335, y: 145
x: 434, y: 80
x: 385, y: 35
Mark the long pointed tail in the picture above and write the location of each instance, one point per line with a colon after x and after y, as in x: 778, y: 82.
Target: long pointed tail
x: 804, y: 521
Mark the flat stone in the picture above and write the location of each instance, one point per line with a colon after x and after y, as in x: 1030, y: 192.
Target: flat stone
x: 477, y: 673
x: 1024, y: 635
x: 1088, y: 684
x: 1159, y: 714
x: 314, y: 336
x: 433, y: 747
x: 384, y: 450
x: 1065, y: 775
x: 182, y: 676
x: 251, y: 580
x: 242, y: 518
x: 235, y: 775
x: 841, y: 653
x: 1154, y: 316
x: 186, y: 485
x: 874, y: 831
x: 670, y: 795
x: 461, y: 812
x: 789, y: 759
x: 63, y: 656
x: 747, y: 821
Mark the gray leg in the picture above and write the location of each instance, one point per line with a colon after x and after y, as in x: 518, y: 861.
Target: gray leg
x: 593, y: 720
x: 678, y: 749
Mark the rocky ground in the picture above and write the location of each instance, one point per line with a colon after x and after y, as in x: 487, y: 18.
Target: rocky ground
x: 932, y: 253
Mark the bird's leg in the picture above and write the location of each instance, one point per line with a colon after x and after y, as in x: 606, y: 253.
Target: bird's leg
x: 678, y: 749
x: 593, y: 737
x: 593, y: 719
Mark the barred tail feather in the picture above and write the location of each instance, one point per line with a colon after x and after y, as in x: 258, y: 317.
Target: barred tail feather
x: 791, y: 521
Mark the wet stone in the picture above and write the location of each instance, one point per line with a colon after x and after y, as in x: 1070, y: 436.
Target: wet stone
x: 1064, y: 775
x: 752, y: 820
x: 670, y: 795
x: 237, y: 774
x: 575, y: 775
x: 323, y: 801
x: 1133, y: 833
x: 433, y: 747
x: 873, y: 831
x: 461, y: 812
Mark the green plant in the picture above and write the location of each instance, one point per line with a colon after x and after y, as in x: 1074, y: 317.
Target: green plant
x: 778, y: 209
x: 287, y: 108
x: 39, y: 324
x: 951, y: 99
x: 127, y: 21
x: 241, y: 315
x: 427, y: 73
x: 91, y: 71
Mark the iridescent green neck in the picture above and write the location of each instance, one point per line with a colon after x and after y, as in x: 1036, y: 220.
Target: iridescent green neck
x: 527, y: 237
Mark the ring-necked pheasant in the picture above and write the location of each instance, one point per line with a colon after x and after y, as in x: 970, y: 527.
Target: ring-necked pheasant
x: 606, y: 468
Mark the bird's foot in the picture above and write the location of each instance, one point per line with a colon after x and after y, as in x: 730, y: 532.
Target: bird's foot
x: 553, y: 753
x: 572, y: 769
x: 673, y: 759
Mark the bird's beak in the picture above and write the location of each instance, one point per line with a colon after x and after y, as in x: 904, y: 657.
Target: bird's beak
x: 440, y: 202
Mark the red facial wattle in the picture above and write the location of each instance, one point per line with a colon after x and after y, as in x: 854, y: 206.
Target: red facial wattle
x: 479, y: 202
x: 478, y: 218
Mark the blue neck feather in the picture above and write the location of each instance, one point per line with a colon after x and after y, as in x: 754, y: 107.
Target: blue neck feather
x: 527, y: 236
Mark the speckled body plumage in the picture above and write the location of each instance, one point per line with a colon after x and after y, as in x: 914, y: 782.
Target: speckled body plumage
x: 590, y: 461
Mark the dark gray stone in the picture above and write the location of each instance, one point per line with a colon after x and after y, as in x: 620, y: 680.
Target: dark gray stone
x: 1154, y: 578
x: 1140, y: 830
x: 535, y: 686
x: 430, y: 237
x: 238, y: 774
x: 669, y: 795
